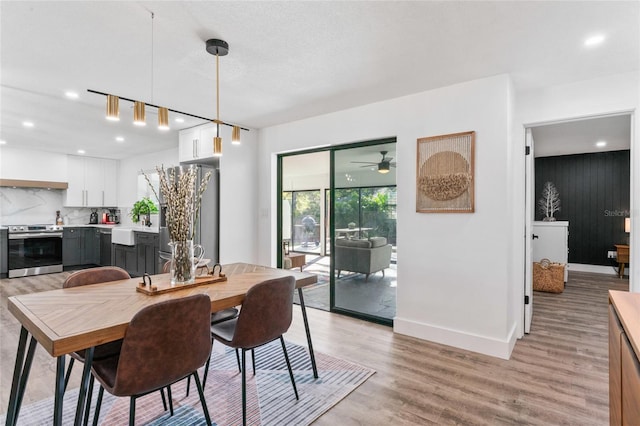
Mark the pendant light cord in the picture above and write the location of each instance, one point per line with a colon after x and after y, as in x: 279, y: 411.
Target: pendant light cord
x: 152, y: 16
x: 217, y: 87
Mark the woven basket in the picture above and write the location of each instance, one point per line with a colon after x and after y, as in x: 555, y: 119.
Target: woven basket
x: 548, y: 276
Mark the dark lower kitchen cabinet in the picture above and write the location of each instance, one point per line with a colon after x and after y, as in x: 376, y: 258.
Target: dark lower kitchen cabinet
x: 147, y: 253
x: 126, y: 258
x: 4, y: 250
x: 72, y: 246
x: 91, y: 249
x: 105, y: 248
x: 80, y: 246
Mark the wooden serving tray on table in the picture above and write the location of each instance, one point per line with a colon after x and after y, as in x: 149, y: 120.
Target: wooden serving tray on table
x: 161, y: 285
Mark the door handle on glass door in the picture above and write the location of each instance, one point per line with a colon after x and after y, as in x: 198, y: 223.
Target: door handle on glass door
x: 534, y: 237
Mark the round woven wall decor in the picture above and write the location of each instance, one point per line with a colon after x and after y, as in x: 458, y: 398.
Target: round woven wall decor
x: 444, y: 176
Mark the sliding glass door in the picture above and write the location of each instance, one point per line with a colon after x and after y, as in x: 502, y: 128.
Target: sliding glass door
x: 364, y: 244
x: 337, y: 219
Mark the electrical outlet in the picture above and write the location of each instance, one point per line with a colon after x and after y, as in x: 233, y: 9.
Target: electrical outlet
x: 612, y: 255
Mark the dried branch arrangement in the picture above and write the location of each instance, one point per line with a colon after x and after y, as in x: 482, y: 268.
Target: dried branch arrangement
x: 182, y: 210
x: 182, y: 202
x: 549, y: 203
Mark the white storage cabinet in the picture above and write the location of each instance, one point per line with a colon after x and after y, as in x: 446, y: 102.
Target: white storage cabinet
x: 551, y: 241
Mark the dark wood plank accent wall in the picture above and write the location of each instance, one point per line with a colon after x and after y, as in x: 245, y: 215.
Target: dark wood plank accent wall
x: 594, y: 194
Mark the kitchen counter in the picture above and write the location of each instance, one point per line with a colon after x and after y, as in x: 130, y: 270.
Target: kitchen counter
x: 152, y: 230
x: 90, y: 225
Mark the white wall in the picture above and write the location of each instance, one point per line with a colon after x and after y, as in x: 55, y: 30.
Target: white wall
x: 239, y: 199
x: 601, y: 96
x: 453, y: 276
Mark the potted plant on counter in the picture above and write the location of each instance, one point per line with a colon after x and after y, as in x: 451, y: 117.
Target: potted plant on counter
x: 143, y: 207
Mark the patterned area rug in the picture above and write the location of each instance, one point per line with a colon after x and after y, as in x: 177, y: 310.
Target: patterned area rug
x: 270, y: 397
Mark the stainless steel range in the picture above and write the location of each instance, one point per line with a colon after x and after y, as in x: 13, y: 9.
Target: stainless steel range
x: 34, y: 250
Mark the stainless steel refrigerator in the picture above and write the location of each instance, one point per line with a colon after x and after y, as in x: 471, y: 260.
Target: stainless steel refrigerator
x: 207, y: 226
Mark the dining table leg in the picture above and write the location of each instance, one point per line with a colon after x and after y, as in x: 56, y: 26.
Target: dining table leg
x: 306, y: 329
x: 59, y: 392
x: 84, y: 384
x: 20, y: 376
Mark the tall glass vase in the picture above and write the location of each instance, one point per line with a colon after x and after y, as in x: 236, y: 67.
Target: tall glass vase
x: 185, y: 256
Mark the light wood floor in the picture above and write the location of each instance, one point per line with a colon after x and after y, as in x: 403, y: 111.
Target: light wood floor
x: 557, y: 375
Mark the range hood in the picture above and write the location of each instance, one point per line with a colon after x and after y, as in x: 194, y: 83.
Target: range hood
x: 21, y: 183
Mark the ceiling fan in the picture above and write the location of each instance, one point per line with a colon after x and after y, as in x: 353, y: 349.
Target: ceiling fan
x: 384, y: 164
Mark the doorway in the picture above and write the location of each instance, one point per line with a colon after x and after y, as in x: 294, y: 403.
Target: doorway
x: 333, y: 202
x: 587, y: 164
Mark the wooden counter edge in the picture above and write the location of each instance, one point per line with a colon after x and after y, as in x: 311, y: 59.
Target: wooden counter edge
x: 627, y: 307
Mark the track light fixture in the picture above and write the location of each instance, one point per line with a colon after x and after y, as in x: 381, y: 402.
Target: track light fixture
x: 215, y: 47
x: 113, y: 102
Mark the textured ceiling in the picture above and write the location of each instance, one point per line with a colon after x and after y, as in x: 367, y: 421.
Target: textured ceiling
x: 287, y: 61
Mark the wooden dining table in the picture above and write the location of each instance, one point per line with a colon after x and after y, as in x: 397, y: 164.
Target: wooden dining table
x: 68, y: 320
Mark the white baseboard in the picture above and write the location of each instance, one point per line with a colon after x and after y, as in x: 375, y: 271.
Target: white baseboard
x: 468, y: 341
x: 596, y: 269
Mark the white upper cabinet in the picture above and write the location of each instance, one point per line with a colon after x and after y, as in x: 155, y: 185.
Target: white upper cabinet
x: 205, y: 148
x: 196, y: 143
x: 91, y: 182
x: 187, y: 143
x: 110, y: 183
x: 74, y: 195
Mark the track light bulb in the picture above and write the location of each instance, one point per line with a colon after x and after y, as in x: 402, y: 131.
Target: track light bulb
x: 139, y: 118
x: 113, y: 112
x: 163, y: 118
x: 235, y: 135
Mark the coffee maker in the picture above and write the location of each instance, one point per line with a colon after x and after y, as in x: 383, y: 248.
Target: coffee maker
x: 93, y: 218
x: 114, y: 215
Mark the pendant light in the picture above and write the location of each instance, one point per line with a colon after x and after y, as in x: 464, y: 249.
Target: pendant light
x: 113, y: 112
x: 220, y: 48
x: 163, y: 118
x: 235, y: 135
x: 139, y: 116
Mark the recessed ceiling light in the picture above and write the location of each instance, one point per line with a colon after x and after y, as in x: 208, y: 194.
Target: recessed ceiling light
x: 27, y: 124
x: 179, y: 120
x: 3, y: 142
x: 594, y: 40
x: 119, y: 138
x: 71, y: 95
x: 81, y: 151
x: 601, y: 144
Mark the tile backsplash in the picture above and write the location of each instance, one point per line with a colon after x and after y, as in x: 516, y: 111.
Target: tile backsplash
x: 30, y: 206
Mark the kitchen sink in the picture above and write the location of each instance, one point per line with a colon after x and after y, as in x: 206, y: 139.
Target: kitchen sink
x: 123, y: 236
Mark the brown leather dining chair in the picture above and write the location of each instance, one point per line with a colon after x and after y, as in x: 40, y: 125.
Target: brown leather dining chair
x: 216, y: 317
x: 265, y: 316
x: 95, y: 276
x: 164, y: 343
